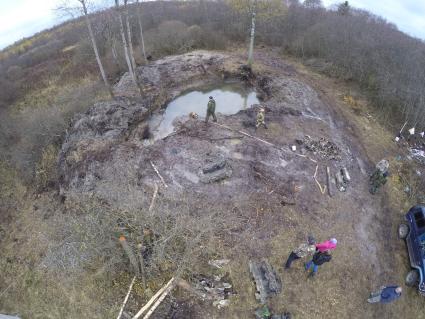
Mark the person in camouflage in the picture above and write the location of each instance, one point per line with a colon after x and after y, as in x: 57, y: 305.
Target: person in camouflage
x: 211, y: 110
x: 379, y: 176
x: 304, y: 250
x: 260, y: 119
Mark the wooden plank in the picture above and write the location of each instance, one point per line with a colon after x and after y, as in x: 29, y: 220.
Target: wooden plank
x: 126, y: 297
x: 154, y: 298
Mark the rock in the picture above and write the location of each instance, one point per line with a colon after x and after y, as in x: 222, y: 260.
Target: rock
x: 221, y: 303
x: 215, y: 166
x: 266, y: 280
x: 219, y: 263
x: 215, y: 170
x: 216, y: 176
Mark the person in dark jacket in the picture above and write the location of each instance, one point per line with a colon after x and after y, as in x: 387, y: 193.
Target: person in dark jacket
x: 319, y: 258
x: 385, y: 294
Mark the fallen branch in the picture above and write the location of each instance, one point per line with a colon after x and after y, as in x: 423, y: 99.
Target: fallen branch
x: 126, y: 297
x: 159, y: 175
x: 322, y: 189
x: 328, y: 180
x: 264, y: 141
x: 130, y: 255
x: 154, y: 298
x: 155, y: 193
x: 158, y: 302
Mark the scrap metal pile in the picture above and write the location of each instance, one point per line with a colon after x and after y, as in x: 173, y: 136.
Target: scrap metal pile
x: 323, y: 147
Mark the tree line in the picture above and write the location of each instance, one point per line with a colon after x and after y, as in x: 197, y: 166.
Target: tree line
x: 352, y: 44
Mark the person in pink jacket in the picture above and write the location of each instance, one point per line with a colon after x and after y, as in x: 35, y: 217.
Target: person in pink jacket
x: 326, y: 245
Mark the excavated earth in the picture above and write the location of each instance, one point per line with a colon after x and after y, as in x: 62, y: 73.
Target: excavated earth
x: 270, y: 186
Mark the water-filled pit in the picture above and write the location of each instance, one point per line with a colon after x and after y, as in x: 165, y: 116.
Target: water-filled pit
x: 230, y: 98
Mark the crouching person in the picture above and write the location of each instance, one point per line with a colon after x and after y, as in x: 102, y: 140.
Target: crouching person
x: 319, y: 258
x: 304, y: 250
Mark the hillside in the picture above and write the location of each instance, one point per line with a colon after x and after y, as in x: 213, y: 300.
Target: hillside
x: 80, y: 170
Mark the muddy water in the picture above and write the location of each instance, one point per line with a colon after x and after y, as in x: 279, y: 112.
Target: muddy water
x: 230, y: 98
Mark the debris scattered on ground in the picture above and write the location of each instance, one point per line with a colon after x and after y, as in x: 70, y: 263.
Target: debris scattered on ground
x: 216, y: 169
x: 342, y: 179
x: 323, y: 147
x: 262, y: 312
x: 219, y: 263
x: 266, y: 280
x: 216, y: 288
x: 418, y: 155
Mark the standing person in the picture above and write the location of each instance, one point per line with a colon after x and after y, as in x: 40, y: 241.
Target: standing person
x: 327, y: 245
x: 379, y: 176
x: 304, y: 250
x: 319, y: 258
x: 211, y: 110
x: 385, y: 294
x: 260, y: 119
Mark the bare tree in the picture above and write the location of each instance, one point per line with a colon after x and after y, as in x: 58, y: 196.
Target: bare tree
x: 139, y: 19
x: 130, y: 42
x: 83, y: 3
x: 125, y: 44
x: 252, y: 36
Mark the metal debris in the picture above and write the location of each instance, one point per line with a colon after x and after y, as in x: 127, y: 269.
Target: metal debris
x: 266, y: 280
x: 216, y: 169
x: 323, y: 147
x: 342, y: 178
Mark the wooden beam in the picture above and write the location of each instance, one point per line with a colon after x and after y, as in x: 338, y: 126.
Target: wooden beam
x: 126, y: 297
x: 159, y: 175
x: 154, y: 298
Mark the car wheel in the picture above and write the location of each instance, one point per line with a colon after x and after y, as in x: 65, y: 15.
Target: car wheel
x: 412, y: 278
x: 403, y: 231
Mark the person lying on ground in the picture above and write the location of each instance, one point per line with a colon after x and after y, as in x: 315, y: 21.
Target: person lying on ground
x: 385, y: 294
x: 319, y: 258
x: 327, y: 245
x: 304, y: 250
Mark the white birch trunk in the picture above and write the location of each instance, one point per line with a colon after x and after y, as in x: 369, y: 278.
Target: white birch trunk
x: 130, y: 42
x: 251, y: 42
x: 124, y: 42
x: 139, y: 18
x: 96, y: 51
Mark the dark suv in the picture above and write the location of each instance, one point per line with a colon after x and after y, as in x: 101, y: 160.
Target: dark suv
x: 413, y: 232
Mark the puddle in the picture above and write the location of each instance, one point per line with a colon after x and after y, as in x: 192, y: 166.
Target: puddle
x: 230, y: 98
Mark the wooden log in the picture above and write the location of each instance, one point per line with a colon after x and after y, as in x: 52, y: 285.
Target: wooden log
x: 142, y: 265
x: 154, y: 298
x: 159, y: 175
x: 265, y: 142
x: 155, y: 193
x: 158, y: 302
x: 126, y: 297
x: 130, y: 255
x: 328, y: 180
